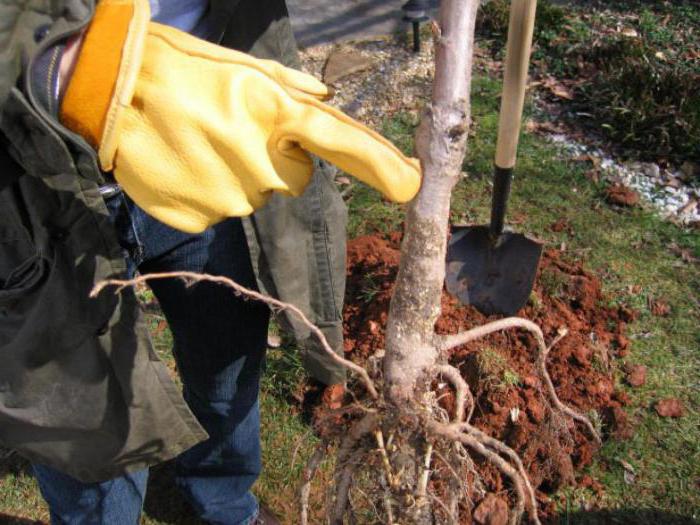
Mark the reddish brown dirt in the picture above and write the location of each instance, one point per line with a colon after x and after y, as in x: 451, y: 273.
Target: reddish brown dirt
x: 499, y: 368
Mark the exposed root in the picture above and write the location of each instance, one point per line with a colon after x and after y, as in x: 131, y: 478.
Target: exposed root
x: 386, y: 498
x: 449, y: 512
x: 422, y: 488
x: 462, y: 391
x: 347, y: 461
x: 275, y: 305
x: 343, y: 484
x: 502, y: 448
x: 454, y: 432
x: 359, y: 430
x: 309, y: 473
x: 554, y: 398
x: 447, y: 342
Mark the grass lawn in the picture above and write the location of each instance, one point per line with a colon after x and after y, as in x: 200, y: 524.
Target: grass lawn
x: 633, y: 252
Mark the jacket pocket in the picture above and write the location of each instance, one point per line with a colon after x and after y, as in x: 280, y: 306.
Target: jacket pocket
x: 22, y: 268
x: 22, y: 279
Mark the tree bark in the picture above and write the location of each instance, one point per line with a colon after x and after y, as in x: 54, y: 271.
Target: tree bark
x: 441, y: 145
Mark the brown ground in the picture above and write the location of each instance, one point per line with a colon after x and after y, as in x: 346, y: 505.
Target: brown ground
x: 499, y: 368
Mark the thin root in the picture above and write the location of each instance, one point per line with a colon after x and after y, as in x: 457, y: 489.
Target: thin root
x: 309, y: 473
x: 275, y: 304
x: 462, y: 392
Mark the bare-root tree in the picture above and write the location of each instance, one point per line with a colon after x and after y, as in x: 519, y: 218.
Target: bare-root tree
x: 402, y: 437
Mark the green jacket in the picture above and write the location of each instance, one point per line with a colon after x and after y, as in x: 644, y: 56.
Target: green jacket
x: 81, y: 388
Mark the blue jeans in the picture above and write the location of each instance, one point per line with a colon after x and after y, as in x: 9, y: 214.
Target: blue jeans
x: 219, y: 347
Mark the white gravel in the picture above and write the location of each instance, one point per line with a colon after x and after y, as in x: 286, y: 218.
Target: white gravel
x: 671, y: 192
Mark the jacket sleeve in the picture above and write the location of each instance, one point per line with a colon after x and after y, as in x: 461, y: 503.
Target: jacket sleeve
x: 17, y: 27
x: 23, y: 26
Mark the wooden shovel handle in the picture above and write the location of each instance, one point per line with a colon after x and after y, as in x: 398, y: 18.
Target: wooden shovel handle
x: 521, y: 27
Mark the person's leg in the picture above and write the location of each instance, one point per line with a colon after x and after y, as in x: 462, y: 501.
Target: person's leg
x: 219, y: 345
x: 71, y: 502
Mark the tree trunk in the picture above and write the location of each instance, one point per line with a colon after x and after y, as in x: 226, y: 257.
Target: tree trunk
x: 441, y: 145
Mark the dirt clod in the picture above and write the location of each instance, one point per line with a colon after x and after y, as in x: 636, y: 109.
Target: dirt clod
x: 636, y: 375
x: 333, y: 396
x: 491, y: 511
x: 670, y: 407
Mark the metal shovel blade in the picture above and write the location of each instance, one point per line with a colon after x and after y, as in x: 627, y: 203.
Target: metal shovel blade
x: 493, y: 275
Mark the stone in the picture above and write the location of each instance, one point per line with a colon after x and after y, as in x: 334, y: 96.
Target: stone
x: 341, y: 64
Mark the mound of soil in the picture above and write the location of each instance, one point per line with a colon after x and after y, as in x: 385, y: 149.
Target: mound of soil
x: 500, y: 368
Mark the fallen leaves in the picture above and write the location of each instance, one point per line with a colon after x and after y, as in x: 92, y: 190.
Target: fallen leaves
x: 558, y: 88
x: 684, y: 253
x: 630, y: 476
x: 670, y: 407
x: 621, y: 196
x: 532, y: 126
x: 562, y: 225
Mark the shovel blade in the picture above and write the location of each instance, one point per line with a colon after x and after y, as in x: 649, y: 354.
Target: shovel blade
x: 495, y: 276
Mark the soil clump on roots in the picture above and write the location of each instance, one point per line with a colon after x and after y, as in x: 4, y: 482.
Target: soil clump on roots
x: 500, y: 368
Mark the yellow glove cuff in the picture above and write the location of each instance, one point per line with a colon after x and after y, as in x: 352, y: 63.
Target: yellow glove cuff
x: 105, y: 74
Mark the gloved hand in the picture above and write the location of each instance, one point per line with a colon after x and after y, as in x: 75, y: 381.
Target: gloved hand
x: 196, y: 133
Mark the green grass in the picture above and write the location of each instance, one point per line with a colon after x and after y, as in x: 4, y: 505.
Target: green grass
x: 494, y: 370
x: 625, y: 248
x: 635, y: 64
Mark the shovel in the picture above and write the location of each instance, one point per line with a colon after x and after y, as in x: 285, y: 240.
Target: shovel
x: 488, y: 268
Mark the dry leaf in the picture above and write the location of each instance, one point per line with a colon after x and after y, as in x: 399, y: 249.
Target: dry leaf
x: 557, y: 88
x: 658, y: 308
x: 634, y: 289
x: 688, y: 206
x: 684, y: 253
x: 162, y: 325
x: 532, y: 126
x: 621, y: 195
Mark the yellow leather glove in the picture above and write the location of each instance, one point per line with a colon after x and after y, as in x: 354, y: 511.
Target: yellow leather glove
x: 196, y: 133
